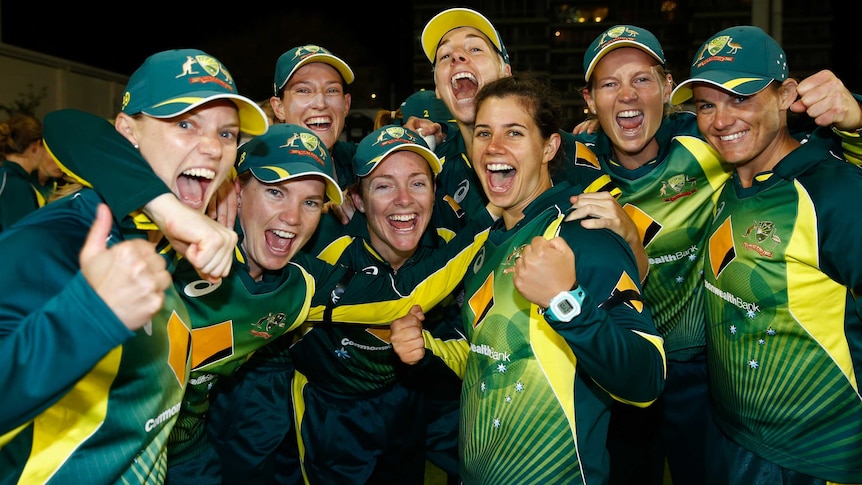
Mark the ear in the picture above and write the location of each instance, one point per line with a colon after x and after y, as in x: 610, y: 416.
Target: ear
x: 237, y: 187
x: 357, y: 200
x: 551, y: 147
x: 588, y: 97
x: 127, y: 126
x: 277, y: 108
x: 668, y: 88
x: 787, y: 93
x: 347, y: 100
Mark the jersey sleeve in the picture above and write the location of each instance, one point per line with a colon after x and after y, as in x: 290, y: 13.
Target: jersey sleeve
x: 614, y: 339
x: 84, y: 144
x: 54, y: 328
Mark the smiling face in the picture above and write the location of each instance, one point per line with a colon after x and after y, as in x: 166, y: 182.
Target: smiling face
x: 749, y: 132
x: 397, y: 198
x: 628, y: 94
x: 191, y: 153
x: 510, y: 155
x: 465, y: 61
x: 314, y: 97
x: 277, y: 219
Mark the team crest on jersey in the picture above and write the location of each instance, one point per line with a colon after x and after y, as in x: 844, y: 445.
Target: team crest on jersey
x: 677, y: 186
x: 265, y: 326
x: 761, y: 232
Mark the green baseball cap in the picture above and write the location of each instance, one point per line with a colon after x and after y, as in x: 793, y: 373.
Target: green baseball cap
x: 742, y: 60
x: 454, y: 18
x: 288, y: 151
x: 297, y: 57
x: 621, y: 36
x: 172, y: 82
x: 425, y: 104
x: 386, y: 140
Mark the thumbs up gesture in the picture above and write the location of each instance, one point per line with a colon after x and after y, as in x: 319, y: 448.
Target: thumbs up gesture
x: 129, y: 276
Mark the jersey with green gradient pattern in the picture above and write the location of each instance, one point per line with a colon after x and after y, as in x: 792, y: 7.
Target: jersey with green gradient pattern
x: 671, y: 200
x: 784, y: 315
x: 238, y: 316
x: 346, y: 356
x: 536, y: 395
x: 85, y: 400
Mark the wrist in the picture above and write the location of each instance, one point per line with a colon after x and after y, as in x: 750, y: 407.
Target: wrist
x: 566, y: 305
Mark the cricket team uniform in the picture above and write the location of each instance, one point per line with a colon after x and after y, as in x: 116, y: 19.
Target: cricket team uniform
x: 536, y: 396
x: 671, y: 200
x: 357, y: 420
x: 19, y: 196
x: 236, y: 317
x: 330, y: 226
x: 89, y: 401
x: 784, y: 315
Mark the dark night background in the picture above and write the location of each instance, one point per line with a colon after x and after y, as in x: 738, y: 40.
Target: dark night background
x: 247, y: 38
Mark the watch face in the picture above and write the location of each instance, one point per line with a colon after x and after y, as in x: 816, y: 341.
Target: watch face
x: 565, y: 307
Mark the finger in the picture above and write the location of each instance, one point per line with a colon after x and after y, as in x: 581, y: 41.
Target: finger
x: 417, y: 312
x: 97, y: 238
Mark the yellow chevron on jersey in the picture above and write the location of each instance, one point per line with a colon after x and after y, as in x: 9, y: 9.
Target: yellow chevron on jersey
x: 211, y: 343
x: 648, y: 228
x: 181, y: 342
x: 721, y: 248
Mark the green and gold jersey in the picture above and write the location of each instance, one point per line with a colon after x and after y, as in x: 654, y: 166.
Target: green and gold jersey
x: 671, y: 200
x: 536, y: 396
x: 345, y: 347
x: 784, y: 332
x: 85, y: 400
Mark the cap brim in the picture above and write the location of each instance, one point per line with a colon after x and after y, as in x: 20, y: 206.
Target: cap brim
x: 338, y: 64
x: 453, y: 18
x: 612, y: 46
x: 424, y: 152
x: 271, y: 174
x: 740, y: 83
x: 252, y: 119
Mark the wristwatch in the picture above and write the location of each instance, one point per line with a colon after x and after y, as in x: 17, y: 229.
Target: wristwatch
x: 566, y: 305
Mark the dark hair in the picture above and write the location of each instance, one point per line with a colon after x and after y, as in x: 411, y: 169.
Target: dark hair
x: 536, y: 96
x: 19, y: 132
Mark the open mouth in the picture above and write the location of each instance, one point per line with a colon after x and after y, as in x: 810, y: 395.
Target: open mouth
x: 319, y: 123
x: 193, y: 184
x: 280, y: 241
x: 464, y: 85
x: 630, y: 120
x: 402, y: 222
x: 500, y: 176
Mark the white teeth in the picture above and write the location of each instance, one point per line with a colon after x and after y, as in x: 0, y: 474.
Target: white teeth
x: 318, y: 121
x: 203, y: 173
x: 463, y: 75
x: 402, y: 217
x: 734, y: 136
x: 629, y: 114
x: 283, y: 234
x: 499, y: 167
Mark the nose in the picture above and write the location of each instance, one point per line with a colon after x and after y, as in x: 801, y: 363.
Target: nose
x: 211, y: 144
x: 723, y: 117
x: 628, y: 92
x: 459, y: 55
